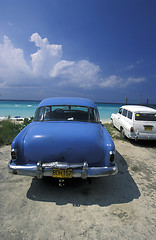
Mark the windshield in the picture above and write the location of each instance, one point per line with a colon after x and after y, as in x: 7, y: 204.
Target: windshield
x: 145, y: 116
x: 66, y: 113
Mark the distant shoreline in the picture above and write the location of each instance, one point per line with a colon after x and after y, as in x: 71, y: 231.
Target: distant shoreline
x: 26, y: 108
x: 144, y: 104
x: 11, y: 100
x: 20, y: 120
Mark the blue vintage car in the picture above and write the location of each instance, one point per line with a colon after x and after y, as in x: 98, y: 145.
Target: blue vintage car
x: 65, y: 140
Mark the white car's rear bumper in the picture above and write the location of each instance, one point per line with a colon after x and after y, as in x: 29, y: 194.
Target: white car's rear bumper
x: 142, y: 136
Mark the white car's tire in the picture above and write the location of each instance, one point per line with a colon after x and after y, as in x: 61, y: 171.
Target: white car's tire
x: 113, y: 124
x: 122, y: 133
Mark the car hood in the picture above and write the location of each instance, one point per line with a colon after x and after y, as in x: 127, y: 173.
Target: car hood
x: 71, y: 142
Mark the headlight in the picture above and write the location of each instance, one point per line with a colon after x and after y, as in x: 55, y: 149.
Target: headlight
x: 14, y: 154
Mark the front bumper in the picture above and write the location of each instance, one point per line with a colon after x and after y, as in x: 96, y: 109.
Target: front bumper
x: 80, y: 170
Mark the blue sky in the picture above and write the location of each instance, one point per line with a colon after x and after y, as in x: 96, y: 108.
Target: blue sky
x: 100, y: 49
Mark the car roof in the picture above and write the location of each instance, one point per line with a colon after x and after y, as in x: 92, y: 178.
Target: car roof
x: 137, y: 108
x: 67, y: 101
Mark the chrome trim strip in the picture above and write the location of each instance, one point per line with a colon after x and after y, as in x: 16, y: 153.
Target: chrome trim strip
x: 62, y: 165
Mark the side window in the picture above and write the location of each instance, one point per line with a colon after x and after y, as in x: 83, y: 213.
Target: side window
x: 120, y: 111
x: 124, y: 113
x: 47, y: 113
x: 39, y: 114
x: 129, y: 115
x: 97, y: 115
x: 94, y: 116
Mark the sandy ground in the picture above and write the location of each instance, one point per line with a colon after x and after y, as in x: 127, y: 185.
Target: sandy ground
x: 116, y: 207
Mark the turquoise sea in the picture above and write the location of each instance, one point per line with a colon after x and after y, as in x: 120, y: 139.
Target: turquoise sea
x: 27, y: 109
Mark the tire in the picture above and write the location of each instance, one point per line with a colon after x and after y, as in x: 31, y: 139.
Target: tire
x: 122, y: 134
x: 112, y: 124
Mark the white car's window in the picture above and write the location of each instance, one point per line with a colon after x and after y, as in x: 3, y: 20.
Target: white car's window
x: 129, y: 115
x: 124, y: 113
x: 120, y: 111
x: 145, y: 117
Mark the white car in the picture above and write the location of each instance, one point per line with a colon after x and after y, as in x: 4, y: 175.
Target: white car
x: 135, y: 122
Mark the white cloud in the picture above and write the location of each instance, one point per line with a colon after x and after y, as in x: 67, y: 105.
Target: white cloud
x: 111, y: 81
x: 47, y: 64
x: 116, y: 81
x: 12, y: 63
x: 81, y: 73
x: 129, y: 67
x: 10, y: 24
x: 135, y: 80
x: 46, y: 57
x: 139, y: 61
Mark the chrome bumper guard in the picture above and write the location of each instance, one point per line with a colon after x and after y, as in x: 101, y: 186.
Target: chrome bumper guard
x: 80, y: 170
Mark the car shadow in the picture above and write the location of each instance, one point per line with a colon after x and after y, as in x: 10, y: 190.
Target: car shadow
x: 105, y: 191
x: 143, y: 143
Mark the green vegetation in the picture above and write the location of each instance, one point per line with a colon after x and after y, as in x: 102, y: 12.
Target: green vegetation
x: 115, y: 134
x: 27, y: 121
x: 9, y: 130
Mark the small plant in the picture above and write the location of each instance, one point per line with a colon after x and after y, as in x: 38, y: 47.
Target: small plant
x: 27, y: 121
x: 9, y: 130
x: 115, y: 134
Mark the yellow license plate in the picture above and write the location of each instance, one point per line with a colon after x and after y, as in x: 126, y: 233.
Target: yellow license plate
x: 148, y: 128
x: 62, y: 173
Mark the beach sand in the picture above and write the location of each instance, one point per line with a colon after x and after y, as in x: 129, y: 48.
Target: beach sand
x: 115, y: 207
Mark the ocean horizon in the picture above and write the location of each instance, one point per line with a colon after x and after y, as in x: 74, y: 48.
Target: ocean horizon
x: 26, y: 108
